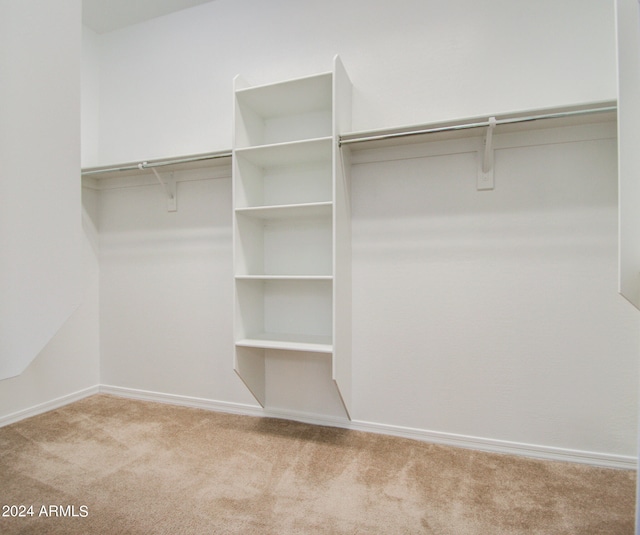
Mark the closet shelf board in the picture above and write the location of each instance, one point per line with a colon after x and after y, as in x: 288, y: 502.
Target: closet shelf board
x: 293, y: 96
x: 289, y: 211
x: 285, y: 277
x: 312, y: 344
x: 289, y: 153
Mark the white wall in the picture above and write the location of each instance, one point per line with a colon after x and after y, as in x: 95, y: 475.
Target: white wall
x: 49, y: 269
x: 495, y: 314
x: 167, y: 84
x: 90, y: 126
x: 69, y: 365
x: 40, y: 207
x: 166, y: 289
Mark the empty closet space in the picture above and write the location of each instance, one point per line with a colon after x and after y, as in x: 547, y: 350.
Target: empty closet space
x: 382, y: 285
x: 486, y: 309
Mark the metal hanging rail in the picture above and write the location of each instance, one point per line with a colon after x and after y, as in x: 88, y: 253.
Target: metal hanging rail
x: 356, y: 138
x: 347, y: 139
x: 159, y: 163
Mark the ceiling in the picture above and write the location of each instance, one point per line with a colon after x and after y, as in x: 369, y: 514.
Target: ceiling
x: 107, y: 15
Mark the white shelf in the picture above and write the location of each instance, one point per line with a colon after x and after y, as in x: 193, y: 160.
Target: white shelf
x: 290, y: 97
x: 288, y: 211
x: 286, y: 173
x: 287, y: 342
x: 285, y: 277
x: 289, y: 111
x: 288, y: 153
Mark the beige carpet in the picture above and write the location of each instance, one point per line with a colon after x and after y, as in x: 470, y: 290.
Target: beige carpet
x: 131, y: 467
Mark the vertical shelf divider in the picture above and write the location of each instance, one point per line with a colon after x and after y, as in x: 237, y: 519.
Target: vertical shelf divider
x: 341, y: 364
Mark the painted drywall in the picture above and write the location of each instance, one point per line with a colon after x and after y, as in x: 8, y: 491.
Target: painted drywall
x: 69, y: 365
x: 40, y: 206
x: 495, y: 313
x: 106, y: 16
x: 49, y: 267
x: 90, y: 127
x: 166, y: 290
x: 166, y: 84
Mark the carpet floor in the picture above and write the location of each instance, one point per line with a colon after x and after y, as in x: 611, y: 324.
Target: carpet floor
x: 110, y: 466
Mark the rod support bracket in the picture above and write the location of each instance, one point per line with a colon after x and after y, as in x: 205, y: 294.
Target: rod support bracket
x: 169, y: 186
x: 485, y: 162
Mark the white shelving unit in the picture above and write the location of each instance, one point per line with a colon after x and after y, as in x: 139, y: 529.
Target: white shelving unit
x: 292, y: 225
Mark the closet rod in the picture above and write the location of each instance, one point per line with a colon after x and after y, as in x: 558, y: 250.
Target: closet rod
x: 358, y: 138
x: 347, y: 139
x: 160, y: 163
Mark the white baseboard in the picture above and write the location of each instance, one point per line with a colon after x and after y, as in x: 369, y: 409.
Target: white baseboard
x: 448, y: 439
x: 185, y: 401
x: 535, y: 451
x: 48, y: 405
